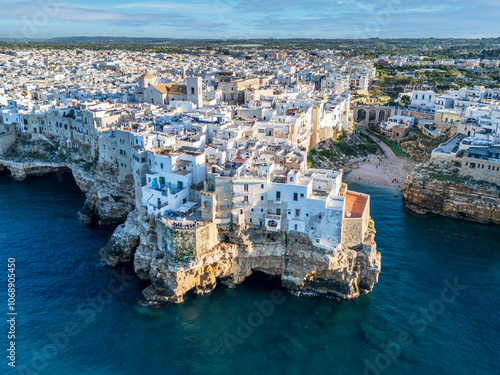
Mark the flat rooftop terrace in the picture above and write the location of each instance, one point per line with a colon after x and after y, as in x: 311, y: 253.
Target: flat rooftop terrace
x: 355, y: 204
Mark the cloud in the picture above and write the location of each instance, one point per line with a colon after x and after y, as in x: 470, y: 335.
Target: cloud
x: 188, y: 7
x: 259, y: 18
x: 71, y: 13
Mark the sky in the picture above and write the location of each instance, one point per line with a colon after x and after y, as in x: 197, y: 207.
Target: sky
x: 243, y: 19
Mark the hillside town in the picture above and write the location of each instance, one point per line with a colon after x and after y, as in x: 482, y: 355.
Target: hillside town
x: 207, y: 140
x: 187, y: 126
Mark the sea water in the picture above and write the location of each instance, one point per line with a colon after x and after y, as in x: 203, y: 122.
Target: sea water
x: 435, y: 309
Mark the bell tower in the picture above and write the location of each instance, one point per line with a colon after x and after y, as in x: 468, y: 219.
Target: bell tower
x: 194, y: 91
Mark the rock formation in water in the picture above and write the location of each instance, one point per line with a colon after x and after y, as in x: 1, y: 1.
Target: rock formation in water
x: 177, y: 261
x: 430, y: 188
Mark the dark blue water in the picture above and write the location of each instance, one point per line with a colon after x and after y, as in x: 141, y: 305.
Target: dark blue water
x: 77, y: 317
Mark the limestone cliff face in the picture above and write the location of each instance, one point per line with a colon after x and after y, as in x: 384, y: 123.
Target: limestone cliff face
x: 122, y: 244
x: 442, y: 192
x: 108, y: 201
x: 344, y: 273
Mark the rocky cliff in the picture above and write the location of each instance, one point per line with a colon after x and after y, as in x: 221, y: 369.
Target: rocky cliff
x: 430, y: 188
x: 108, y: 200
x: 344, y: 273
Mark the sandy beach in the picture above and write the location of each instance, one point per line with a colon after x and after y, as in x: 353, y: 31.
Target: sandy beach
x: 383, y: 171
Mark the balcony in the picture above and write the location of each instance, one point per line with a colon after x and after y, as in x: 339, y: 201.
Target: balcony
x: 273, y: 223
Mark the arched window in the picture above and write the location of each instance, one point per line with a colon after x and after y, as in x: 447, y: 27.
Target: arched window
x: 192, y: 90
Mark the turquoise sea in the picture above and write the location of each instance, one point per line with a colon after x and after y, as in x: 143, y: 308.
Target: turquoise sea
x: 435, y: 309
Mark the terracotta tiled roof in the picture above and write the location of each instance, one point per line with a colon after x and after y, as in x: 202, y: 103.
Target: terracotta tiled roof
x: 172, y: 88
x: 147, y: 75
x: 355, y: 204
x: 176, y: 89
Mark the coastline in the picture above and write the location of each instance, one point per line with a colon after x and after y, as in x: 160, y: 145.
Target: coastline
x: 383, y: 171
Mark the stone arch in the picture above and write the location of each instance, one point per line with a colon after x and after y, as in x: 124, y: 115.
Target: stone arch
x: 360, y: 115
x: 372, y: 116
x: 382, y: 115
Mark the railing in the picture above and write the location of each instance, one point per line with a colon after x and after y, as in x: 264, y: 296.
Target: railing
x: 187, y: 224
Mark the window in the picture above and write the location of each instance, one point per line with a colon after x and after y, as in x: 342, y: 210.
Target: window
x: 241, y: 212
x: 320, y: 216
x: 278, y: 196
x: 295, y: 196
x: 295, y: 226
x: 161, y: 165
x: 250, y: 220
x: 150, y: 163
x: 312, y: 228
x: 302, y: 195
x: 245, y: 187
x: 245, y: 198
x: 278, y: 211
x: 261, y: 197
x: 262, y: 186
x: 307, y: 215
x: 184, y: 200
x: 297, y: 212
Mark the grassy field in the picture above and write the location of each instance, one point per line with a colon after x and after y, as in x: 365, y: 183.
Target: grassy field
x: 394, y: 147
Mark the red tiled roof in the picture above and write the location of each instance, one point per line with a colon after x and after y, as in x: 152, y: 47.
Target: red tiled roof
x: 240, y: 160
x: 355, y: 204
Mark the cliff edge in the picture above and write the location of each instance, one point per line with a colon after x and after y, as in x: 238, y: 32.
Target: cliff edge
x: 177, y: 260
x: 438, y: 188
